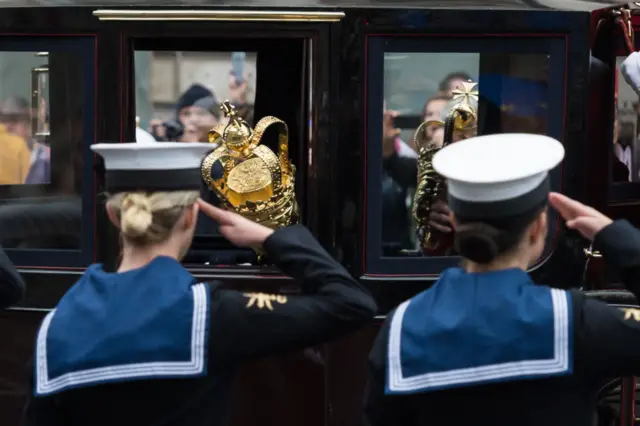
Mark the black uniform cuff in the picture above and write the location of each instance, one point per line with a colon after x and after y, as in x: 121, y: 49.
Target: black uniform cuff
x: 619, y: 243
x: 283, y: 236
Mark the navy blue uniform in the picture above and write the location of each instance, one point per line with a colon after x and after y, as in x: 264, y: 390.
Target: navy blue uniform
x: 496, y: 349
x: 153, y: 346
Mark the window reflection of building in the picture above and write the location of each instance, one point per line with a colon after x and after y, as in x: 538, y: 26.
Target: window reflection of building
x: 513, y: 98
x: 39, y: 98
x: 625, y: 164
x: 623, y: 151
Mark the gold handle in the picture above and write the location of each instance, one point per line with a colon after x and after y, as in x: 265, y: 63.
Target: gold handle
x: 218, y: 15
x: 592, y: 253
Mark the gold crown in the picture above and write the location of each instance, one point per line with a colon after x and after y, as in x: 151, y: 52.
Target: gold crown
x: 460, y: 122
x: 249, y: 178
x: 460, y: 117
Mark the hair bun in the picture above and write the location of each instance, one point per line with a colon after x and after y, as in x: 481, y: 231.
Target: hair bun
x: 477, y: 242
x: 136, y: 215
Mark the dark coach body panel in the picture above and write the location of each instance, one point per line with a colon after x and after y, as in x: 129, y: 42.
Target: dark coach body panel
x: 573, y: 5
x: 332, y: 102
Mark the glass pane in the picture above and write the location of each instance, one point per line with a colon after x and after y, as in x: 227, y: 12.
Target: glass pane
x: 511, y: 95
x: 625, y: 162
x: 41, y: 132
x: 178, y: 96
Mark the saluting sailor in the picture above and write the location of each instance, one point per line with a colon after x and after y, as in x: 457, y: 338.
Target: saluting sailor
x: 150, y: 345
x: 485, y: 345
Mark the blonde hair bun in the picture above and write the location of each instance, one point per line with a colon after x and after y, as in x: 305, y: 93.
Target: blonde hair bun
x: 136, y: 217
x: 149, y: 217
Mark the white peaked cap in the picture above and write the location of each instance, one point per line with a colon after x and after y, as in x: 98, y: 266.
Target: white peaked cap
x: 160, y: 166
x: 511, y: 168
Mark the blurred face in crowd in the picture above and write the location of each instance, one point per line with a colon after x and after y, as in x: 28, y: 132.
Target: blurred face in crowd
x: 438, y: 137
x: 434, y: 108
x: 433, y: 111
x: 197, y: 122
x: 454, y: 83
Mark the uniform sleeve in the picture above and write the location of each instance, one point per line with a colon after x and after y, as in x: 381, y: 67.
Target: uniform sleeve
x: 609, y: 337
x: 40, y: 411
x: 378, y: 409
x: 11, y: 284
x: 619, y: 243
x: 250, y: 325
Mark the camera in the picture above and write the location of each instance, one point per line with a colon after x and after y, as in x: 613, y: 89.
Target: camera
x: 173, y: 131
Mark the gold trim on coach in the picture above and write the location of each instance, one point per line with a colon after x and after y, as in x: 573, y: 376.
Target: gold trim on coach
x: 250, y: 178
x: 218, y: 15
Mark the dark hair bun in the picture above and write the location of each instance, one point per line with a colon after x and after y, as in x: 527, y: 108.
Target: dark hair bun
x: 477, y: 242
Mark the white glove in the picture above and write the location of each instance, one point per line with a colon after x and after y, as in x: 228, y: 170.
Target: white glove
x: 630, y: 70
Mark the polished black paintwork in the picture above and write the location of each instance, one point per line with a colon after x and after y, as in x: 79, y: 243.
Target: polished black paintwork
x: 322, y: 386
x: 403, y: 4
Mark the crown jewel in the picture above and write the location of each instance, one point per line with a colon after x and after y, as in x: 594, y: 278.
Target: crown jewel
x: 250, y: 178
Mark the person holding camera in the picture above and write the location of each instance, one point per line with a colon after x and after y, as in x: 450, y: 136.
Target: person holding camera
x: 196, y: 113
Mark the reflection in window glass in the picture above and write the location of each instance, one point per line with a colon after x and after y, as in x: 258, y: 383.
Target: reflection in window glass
x: 41, y: 120
x: 625, y: 165
x: 178, y: 96
x: 512, y: 97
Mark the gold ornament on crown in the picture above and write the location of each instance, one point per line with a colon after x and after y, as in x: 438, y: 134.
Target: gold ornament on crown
x: 460, y: 123
x: 249, y: 178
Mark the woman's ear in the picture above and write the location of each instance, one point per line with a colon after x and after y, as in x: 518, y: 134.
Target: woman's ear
x: 539, y: 227
x: 113, y: 217
x: 191, y: 216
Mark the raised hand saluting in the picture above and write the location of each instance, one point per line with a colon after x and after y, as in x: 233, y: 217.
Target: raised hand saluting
x: 240, y: 231
x: 584, y: 219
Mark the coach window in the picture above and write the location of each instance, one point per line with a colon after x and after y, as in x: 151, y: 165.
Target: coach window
x: 513, y: 97
x: 178, y: 96
x: 508, y: 86
x: 625, y: 164
x: 46, y: 126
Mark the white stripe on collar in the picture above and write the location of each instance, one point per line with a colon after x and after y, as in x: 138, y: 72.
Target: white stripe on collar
x: 558, y: 364
x: 193, y: 367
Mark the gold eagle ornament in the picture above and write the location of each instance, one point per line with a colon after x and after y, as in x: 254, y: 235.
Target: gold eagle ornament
x: 249, y: 178
x: 460, y: 122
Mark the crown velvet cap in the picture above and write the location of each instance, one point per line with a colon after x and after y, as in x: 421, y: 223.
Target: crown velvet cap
x: 499, y: 175
x: 162, y: 166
